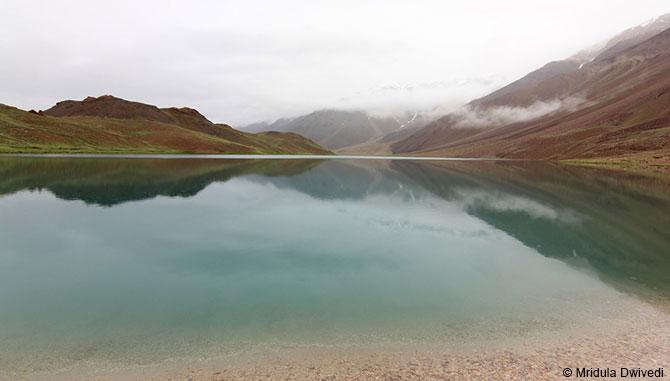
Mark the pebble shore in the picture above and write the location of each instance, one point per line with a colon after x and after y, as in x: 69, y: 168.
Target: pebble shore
x: 644, y: 343
x: 641, y: 339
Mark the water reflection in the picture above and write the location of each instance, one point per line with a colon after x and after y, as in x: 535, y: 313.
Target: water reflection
x: 609, y: 221
x: 109, y: 182
x: 244, y: 250
x: 613, y: 222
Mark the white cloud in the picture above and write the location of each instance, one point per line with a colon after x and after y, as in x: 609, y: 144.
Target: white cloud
x: 501, y: 202
x: 471, y: 117
x: 243, y: 61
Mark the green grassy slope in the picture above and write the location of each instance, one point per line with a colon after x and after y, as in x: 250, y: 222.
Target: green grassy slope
x: 25, y: 132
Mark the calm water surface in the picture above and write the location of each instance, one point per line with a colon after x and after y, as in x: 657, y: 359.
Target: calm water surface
x: 135, y: 261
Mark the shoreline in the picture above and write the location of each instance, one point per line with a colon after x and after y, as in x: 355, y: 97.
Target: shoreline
x: 615, y: 326
x: 624, y: 164
x: 243, y: 157
x: 637, y: 340
x: 641, y: 163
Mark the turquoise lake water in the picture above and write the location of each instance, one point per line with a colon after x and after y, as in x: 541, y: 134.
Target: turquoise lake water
x: 134, y: 261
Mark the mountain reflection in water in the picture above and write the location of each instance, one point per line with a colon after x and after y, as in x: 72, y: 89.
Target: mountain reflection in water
x: 609, y: 222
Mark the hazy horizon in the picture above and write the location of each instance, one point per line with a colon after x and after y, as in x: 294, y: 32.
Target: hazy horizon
x: 241, y: 63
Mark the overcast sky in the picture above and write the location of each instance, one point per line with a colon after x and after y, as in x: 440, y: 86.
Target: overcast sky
x: 250, y: 60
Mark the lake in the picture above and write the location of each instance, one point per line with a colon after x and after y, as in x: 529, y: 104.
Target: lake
x: 112, y: 263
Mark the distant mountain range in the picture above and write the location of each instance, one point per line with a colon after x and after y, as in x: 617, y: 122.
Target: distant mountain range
x: 341, y: 130
x: 114, y: 125
x: 608, y: 101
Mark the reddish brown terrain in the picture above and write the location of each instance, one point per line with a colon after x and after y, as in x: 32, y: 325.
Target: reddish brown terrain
x: 114, y: 125
x: 615, y: 105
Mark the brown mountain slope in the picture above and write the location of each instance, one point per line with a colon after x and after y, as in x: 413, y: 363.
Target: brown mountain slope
x: 554, y: 80
x: 625, y: 111
x: 630, y: 38
x: 108, y: 106
x: 185, y: 116
x: 434, y: 135
x: 109, y: 124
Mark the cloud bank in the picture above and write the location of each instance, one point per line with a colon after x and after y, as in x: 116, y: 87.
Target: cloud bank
x: 473, y: 117
x: 246, y: 61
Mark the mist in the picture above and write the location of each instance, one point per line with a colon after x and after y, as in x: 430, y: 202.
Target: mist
x: 240, y: 62
x: 474, y: 117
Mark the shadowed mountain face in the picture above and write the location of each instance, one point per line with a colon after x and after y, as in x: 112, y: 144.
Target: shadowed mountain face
x: 337, y: 129
x: 110, y: 124
x: 610, y: 102
x: 595, y: 220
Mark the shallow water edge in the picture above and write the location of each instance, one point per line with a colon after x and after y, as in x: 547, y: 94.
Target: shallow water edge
x: 250, y: 157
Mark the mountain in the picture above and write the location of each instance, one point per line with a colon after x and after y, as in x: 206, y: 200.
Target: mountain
x: 338, y: 129
x: 560, y: 79
x: 108, y: 106
x: 257, y: 127
x: 110, y: 124
x: 625, y: 39
x: 615, y: 105
x: 413, y: 122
